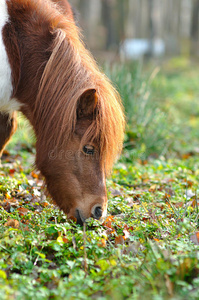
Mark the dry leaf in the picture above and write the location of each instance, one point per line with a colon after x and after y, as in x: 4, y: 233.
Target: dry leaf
x: 119, y: 240
x: 34, y: 175
x: 108, y: 221
x: 65, y: 240
x: 186, y: 156
x: 22, y: 211
x: 102, y: 243
x: 73, y: 219
x: 179, y: 204
x: 195, y: 238
x: 6, y: 153
x: 12, y: 223
x: 7, y: 196
x: 44, y: 204
x: 12, y: 171
x: 152, y: 188
x: 194, y: 203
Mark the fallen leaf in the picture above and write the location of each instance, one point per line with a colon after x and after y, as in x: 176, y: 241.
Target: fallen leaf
x: 102, y: 243
x: 195, y: 238
x: 126, y: 234
x: 12, y: 223
x: 189, y: 194
x: 194, y: 203
x: 186, y: 156
x: 119, y: 240
x: 12, y: 171
x: 65, y: 240
x: 31, y: 182
x: 108, y: 222
x: 11, y: 202
x: 22, y: 211
x: 6, y: 152
x: 7, y: 196
x: 152, y: 188
x: 6, y: 205
x: 34, y: 175
x: 179, y: 204
x: 73, y: 219
x: 44, y: 204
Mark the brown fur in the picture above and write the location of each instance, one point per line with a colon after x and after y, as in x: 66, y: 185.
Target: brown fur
x: 69, y: 102
x: 64, y: 7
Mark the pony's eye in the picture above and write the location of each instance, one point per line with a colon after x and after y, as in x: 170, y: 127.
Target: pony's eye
x: 88, y: 149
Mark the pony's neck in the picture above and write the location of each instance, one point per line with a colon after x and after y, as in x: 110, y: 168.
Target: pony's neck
x: 34, y: 56
x: 27, y: 41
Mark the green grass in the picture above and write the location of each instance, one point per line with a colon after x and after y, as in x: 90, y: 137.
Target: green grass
x: 161, y: 105
x: 149, y: 128
x: 23, y: 141
x: 144, y: 248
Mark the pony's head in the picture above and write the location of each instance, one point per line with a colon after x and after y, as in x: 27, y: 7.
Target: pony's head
x: 75, y: 169
x: 76, y: 164
x: 80, y: 131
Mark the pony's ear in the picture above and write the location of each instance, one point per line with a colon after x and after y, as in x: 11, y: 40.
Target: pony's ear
x: 13, y: 52
x: 87, y: 104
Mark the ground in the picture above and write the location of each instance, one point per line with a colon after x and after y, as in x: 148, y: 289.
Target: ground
x: 149, y: 243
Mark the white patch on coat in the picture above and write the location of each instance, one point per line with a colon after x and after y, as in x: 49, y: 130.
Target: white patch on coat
x: 6, y: 103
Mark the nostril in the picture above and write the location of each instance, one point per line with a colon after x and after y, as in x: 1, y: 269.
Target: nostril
x: 98, y: 212
x: 80, y: 219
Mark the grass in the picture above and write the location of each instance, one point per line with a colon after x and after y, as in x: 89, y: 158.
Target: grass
x: 161, y: 104
x: 149, y: 126
x: 145, y: 246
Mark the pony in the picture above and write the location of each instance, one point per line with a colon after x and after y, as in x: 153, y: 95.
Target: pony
x: 77, y: 116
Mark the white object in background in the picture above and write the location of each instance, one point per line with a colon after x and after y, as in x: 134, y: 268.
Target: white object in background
x: 136, y: 48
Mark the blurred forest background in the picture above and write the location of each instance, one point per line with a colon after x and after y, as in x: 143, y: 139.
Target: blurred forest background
x: 160, y: 94
x: 171, y: 25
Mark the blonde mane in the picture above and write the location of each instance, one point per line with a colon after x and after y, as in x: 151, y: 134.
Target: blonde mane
x: 69, y: 72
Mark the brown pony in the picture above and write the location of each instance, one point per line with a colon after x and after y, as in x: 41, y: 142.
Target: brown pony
x: 48, y: 75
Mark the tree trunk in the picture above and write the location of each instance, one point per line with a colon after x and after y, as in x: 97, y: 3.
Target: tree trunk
x: 194, y: 27
x: 151, y: 29
x: 108, y: 22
